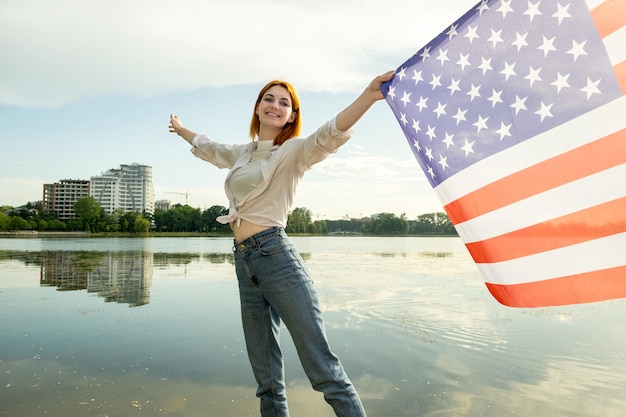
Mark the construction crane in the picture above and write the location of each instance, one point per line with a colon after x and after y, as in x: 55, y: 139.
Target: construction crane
x: 186, y: 194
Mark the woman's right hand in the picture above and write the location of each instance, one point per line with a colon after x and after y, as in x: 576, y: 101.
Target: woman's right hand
x: 175, y: 123
x: 176, y: 126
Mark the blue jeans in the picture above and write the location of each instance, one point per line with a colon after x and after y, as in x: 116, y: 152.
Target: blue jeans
x: 275, y: 285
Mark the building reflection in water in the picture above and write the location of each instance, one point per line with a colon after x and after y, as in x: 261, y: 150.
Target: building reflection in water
x: 121, y: 277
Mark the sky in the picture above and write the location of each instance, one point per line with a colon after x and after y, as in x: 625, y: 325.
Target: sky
x: 88, y: 85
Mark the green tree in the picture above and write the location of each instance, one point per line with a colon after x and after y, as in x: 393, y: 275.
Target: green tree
x: 299, y: 221
x: 141, y: 225
x: 209, y: 219
x: 319, y: 227
x: 5, y: 221
x: 387, y: 224
x: 433, y: 224
x: 18, y: 223
x: 89, y: 211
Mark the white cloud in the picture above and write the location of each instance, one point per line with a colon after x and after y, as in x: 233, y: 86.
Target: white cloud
x: 58, y: 52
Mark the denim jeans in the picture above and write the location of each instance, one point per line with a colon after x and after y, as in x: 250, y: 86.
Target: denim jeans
x: 275, y: 285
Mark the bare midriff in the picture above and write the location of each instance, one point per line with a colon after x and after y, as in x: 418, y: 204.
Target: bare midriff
x: 245, y: 229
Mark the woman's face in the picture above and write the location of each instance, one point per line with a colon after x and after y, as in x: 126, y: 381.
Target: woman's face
x: 275, y: 108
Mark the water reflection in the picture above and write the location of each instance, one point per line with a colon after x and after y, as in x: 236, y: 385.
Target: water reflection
x: 120, y: 277
x: 117, y: 276
x: 410, y: 318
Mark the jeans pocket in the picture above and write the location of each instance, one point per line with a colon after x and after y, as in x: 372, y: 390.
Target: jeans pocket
x: 271, y: 246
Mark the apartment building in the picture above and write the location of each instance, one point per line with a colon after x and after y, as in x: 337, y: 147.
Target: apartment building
x: 128, y: 188
x: 164, y: 205
x: 61, y: 196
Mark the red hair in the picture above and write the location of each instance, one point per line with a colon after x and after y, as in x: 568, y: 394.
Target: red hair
x: 291, y: 129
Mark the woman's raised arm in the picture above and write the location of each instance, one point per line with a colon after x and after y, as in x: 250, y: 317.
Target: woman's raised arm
x: 351, y: 114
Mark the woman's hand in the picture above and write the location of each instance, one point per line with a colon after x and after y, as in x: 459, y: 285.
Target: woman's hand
x: 176, y: 126
x: 374, y: 86
x: 175, y: 123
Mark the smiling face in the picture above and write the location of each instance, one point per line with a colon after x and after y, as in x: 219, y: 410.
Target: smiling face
x: 276, y: 113
x: 275, y: 109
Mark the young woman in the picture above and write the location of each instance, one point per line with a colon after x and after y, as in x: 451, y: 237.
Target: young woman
x: 274, y: 284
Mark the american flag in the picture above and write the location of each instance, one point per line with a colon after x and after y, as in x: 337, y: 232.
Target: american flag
x: 517, y: 115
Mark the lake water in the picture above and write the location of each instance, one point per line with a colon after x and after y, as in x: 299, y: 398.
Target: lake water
x: 150, y: 327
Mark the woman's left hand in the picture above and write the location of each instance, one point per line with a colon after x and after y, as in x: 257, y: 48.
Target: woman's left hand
x: 374, y: 86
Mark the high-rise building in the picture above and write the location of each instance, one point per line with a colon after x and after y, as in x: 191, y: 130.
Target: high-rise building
x: 128, y: 188
x: 164, y: 205
x: 60, y: 197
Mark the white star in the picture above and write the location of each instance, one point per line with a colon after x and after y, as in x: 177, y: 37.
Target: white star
x: 435, y: 81
x: 485, y: 65
x: 401, y: 74
x: 544, y: 111
x: 509, y: 69
x: 403, y: 119
x: 505, y: 8
x: 425, y: 53
x: 422, y: 103
x: 416, y: 145
x: 454, y: 86
x: 429, y: 153
x: 481, y: 123
x: 533, y: 75
x: 520, y: 40
x: 443, y: 162
x: 417, y: 76
x: 578, y: 49
x: 495, y: 37
x: 561, y: 82
x: 495, y: 97
x: 562, y: 13
x: 483, y: 7
x: 591, y: 88
x: 416, y: 126
x: 463, y: 61
x: 430, y: 132
x: 533, y: 10
x: 406, y: 98
x: 460, y: 116
x: 504, y: 130
x: 443, y: 56
x: 430, y: 171
x: 474, y: 92
x: 452, y: 31
x: 520, y: 104
x: 440, y: 110
x: 448, y: 140
x: 471, y: 33
x: 468, y: 147
x: 547, y: 46
x: 392, y: 92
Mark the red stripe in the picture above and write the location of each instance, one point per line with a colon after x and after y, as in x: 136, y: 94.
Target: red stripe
x: 592, y: 223
x: 609, y: 16
x: 588, y: 159
x: 575, y: 289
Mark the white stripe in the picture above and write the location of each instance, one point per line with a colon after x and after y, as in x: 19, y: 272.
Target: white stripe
x: 592, y: 4
x: 590, y: 256
x: 616, y: 46
x: 584, y: 129
x: 577, y: 195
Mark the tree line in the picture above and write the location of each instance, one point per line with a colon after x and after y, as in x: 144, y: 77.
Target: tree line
x: 91, y: 217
